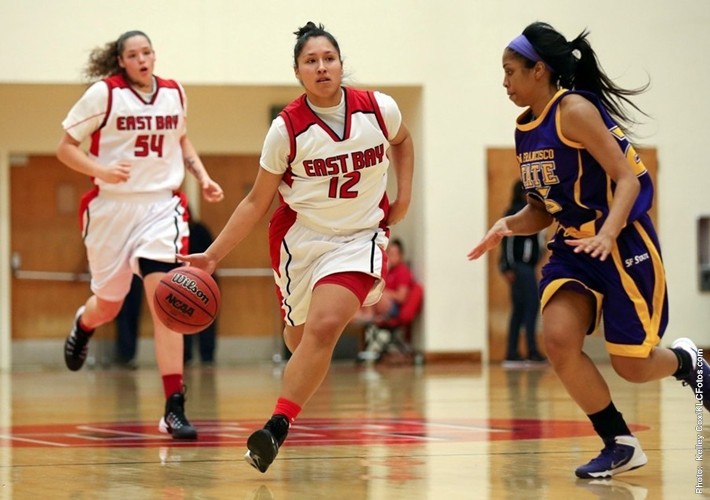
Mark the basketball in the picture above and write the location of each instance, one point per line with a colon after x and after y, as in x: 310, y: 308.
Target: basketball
x: 187, y: 300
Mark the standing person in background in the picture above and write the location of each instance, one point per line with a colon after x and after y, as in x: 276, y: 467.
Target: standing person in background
x: 518, y: 262
x: 128, y: 325
x: 580, y: 171
x: 327, y: 155
x: 133, y: 221
x: 200, y: 240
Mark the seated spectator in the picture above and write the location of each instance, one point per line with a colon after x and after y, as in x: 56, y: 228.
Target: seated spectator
x: 398, y: 283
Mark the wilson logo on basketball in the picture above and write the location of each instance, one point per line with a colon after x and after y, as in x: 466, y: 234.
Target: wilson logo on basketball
x: 186, y: 301
x: 191, y: 286
x: 178, y: 304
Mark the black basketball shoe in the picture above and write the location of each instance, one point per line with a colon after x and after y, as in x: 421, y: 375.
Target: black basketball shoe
x: 76, y: 346
x: 698, y: 378
x: 264, y: 444
x: 174, y: 422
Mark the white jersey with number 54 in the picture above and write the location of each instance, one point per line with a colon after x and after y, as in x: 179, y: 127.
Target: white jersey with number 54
x: 124, y: 127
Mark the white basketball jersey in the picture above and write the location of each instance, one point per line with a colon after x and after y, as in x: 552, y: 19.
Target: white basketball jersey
x: 125, y: 127
x: 337, y: 184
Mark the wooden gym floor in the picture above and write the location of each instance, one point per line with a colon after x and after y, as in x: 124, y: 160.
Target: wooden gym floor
x: 371, y: 432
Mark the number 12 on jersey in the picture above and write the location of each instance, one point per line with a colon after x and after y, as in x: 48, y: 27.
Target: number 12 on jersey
x: 343, y: 187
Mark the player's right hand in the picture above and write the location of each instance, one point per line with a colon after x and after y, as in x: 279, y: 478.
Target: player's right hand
x: 201, y: 260
x: 492, y: 238
x: 116, y: 173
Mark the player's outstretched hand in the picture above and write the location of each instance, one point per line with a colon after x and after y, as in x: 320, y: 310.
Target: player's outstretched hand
x: 492, y: 238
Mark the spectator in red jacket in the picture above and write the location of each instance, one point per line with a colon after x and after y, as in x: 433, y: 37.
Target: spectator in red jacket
x: 398, y: 283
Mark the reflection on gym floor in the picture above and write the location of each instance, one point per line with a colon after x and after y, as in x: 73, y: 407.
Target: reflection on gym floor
x: 465, y: 431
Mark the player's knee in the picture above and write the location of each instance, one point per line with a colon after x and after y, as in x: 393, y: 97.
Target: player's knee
x: 557, y: 347
x: 105, y: 311
x: 326, y: 329
x: 632, y: 370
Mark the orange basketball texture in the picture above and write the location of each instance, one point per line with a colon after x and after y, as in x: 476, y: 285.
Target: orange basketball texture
x: 187, y: 300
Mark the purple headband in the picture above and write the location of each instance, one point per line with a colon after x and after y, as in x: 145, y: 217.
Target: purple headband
x: 522, y: 46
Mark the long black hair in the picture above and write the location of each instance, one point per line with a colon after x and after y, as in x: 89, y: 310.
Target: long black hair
x: 574, y: 65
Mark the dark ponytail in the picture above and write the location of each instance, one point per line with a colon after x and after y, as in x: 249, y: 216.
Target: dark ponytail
x: 575, y: 65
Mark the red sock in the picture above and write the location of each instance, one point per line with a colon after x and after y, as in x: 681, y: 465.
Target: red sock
x: 287, y: 408
x: 88, y: 331
x: 172, y: 383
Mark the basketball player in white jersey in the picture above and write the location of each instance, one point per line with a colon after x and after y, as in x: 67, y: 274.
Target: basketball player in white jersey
x: 327, y: 155
x: 134, y: 221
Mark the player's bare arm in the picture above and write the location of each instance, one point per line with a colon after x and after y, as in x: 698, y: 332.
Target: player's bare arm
x: 582, y: 122
x: 249, y: 211
x: 211, y: 191
x: 532, y: 219
x: 402, y: 154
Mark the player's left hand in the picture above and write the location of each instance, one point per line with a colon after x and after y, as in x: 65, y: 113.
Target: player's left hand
x: 598, y: 246
x: 211, y: 191
x: 398, y: 211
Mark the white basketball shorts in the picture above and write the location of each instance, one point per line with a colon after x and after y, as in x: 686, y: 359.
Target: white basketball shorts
x: 305, y: 256
x: 120, y: 229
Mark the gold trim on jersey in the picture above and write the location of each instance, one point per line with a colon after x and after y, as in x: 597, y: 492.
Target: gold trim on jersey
x: 525, y: 127
x: 650, y: 321
x: 555, y: 286
x: 630, y: 351
x: 586, y: 230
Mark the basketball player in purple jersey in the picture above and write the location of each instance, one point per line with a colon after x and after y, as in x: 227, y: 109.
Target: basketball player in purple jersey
x: 133, y: 221
x: 327, y: 155
x: 580, y: 171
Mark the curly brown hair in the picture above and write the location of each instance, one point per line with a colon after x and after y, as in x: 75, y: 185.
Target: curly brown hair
x: 103, y: 61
